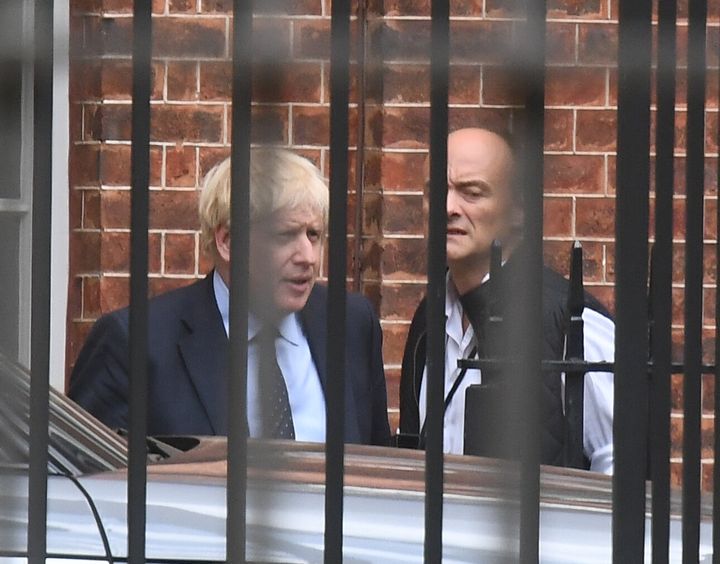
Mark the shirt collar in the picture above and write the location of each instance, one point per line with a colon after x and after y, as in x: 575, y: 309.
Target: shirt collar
x: 288, y: 327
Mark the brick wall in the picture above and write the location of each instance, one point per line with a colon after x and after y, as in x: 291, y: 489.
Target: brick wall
x: 389, y: 140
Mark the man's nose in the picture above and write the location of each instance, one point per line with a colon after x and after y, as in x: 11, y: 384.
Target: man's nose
x: 452, y: 203
x: 305, y: 251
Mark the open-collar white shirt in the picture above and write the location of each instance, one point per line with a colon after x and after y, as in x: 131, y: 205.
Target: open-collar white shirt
x: 599, y: 345
x: 305, y: 393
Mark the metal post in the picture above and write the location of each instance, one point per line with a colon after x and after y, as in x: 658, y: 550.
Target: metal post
x: 439, y: 63
x: 631, y: 352
x: 695, y: 176
x: 239, y: 276
x: 335, y: 411
x: 41, y: 234
x: 661, y: 283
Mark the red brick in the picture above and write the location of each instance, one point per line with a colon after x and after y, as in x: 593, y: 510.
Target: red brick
x: 574, y: 174
x: 91, y: 297
x: 158, y: 286
x: 311, y: 125
x: 576, y: 86
x: 708, y: 393
x: 114, y: 293
x: 215, y: 80
x: 182, y: 80
x: 75, y: 305
x: 392, y: 383
x: 182, y: 6
x: 116, y: 80
x: 85, y: 79
x: 115, y: 209
x: 311, y: 39
x: 577, y: 8
x: 180, y: 253
x: 115, y: 253
x: 561, y: 43
x: 288, y: 82
x: 557, y: 255
x: 557, y: 214
x: 598, y: 44
x: 403, y: 171
x: 115, y: 165
x: 403, y: 214
x: 173, y: 209
x: 399, y: 301
x: 91, y: 218
x: 481, y: 41
x: 189, y: 37
x: 85, y: 251
x: 217, y: 6
x: 84, y: 165
x: 209, y: 157
x: 678, y: 306
x: 711, y: 132
x: 180, y: 166
x: 558, y: 130
x: 710, y: 231
x: 394, y: 337
x: 269, y: 124
x: 404, y: 84
x: 596, y: 130
x: 403, y: 258
x: 203, y: 124
x: 676, y: 434
x: 709, y: 306
x: 406, y: 127
x: 406, y: 8
x: 501, y: 85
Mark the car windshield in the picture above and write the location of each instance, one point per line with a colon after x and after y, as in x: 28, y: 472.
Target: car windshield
x: 78, y: 443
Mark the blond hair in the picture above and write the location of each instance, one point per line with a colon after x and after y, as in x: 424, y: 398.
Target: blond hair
x: 278, y: 179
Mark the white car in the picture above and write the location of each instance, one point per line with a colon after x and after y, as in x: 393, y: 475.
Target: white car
x: 383, y: 506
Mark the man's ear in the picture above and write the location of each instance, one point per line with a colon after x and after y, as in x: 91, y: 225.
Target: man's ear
x: 222, y: 242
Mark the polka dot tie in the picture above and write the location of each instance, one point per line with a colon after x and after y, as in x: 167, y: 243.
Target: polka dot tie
x: 277, y: 417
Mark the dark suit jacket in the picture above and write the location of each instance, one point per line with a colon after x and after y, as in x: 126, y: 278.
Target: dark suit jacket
x: 188, y: 355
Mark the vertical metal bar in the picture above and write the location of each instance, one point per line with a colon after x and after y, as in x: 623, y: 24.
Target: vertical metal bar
x: 528, y: 383
x: 716, y: 441
x: 335, y: 400
x: 439, y: 73
x: 575, y: 350
x: 40, y: 319
x: 239, y: 276
x: 695, y: 176
x: 661, y: 282
x: 361, y: 47
x: 633, y: 166
x: 138, y: 330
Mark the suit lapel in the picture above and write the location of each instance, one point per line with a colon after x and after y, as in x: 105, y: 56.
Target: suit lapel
x: 314, y: 320
x: 203, y: 347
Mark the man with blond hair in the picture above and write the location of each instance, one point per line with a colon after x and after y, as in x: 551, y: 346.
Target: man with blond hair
x: 287, y: 340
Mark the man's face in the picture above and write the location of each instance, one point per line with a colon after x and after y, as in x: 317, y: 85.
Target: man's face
x: 285, y: 253
x: 480, y: 205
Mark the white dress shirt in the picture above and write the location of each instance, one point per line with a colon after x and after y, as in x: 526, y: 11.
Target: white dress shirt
x: 305, y: 393
x: 599, y: 335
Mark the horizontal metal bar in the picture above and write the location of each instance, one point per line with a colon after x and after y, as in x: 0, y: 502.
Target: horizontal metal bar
x: 567, y: 365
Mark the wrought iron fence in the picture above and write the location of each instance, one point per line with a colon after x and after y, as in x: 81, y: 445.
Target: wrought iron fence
x: 643, y: 338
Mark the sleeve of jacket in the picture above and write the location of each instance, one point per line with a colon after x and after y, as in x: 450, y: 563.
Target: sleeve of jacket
x: 99, y: 380
x: 413, y: 364
x: 380, y: 427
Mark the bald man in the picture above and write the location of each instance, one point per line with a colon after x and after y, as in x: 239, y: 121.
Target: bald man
x: 484, y: 203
